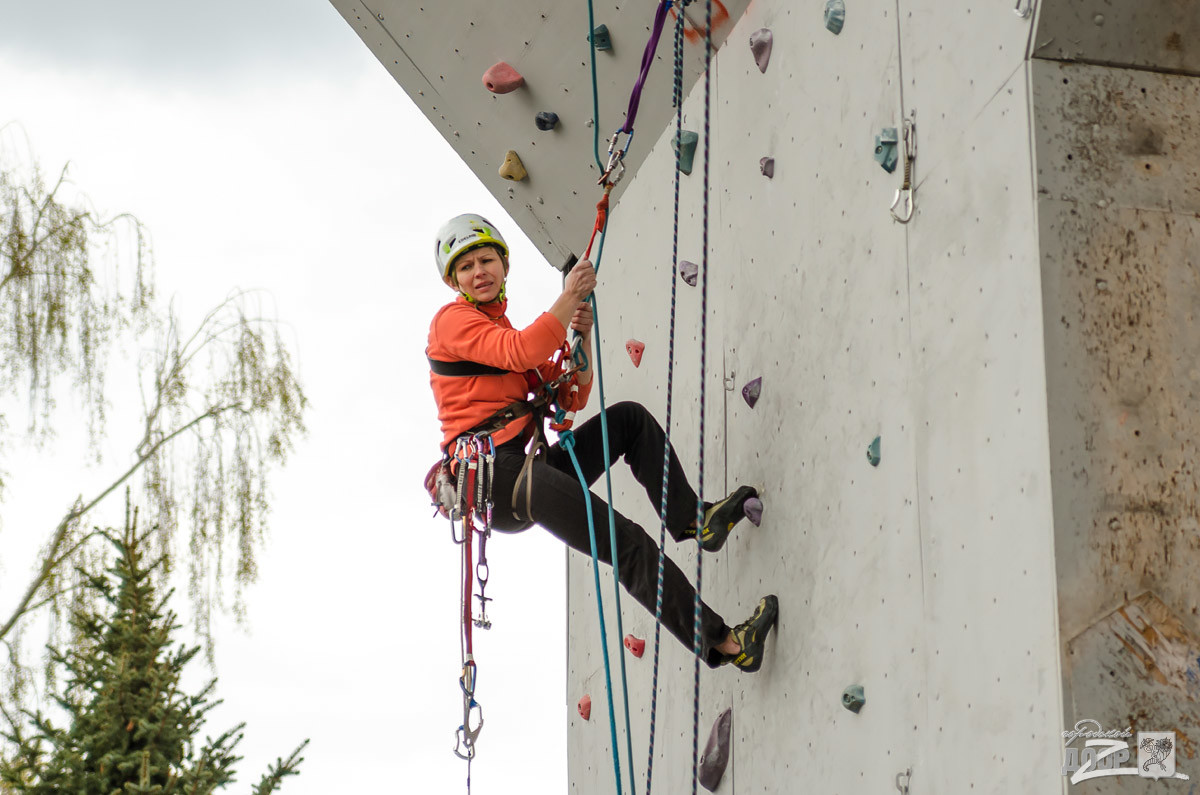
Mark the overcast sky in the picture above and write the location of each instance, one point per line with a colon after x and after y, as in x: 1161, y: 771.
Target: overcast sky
x: 263, y: 146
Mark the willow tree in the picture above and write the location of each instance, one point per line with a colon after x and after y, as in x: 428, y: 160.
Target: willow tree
x: 221, y: 403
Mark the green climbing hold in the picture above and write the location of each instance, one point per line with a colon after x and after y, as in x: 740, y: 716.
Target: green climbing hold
x: 685, y: 145
x: 853, y: 698
x: 873, y: 452
x: 601, y: 38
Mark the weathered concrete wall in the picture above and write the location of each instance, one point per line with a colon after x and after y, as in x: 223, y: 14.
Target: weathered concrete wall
x: 1119, y: 213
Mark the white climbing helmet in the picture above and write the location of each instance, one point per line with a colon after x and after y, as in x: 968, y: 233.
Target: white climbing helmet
x: 461, y: 233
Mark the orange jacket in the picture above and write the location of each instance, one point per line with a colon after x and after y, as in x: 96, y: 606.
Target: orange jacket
x: 462, y: 331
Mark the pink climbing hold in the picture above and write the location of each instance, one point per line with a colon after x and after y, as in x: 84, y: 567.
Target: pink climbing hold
x: 689, y: 271
x: 636, y: 646
x: 502, y: 78
x: 767, y: 166
x: 585, y: 707
x: 760, y: 44
x: 752, y: 390
x: 634, y: 349
x: 753, y: 509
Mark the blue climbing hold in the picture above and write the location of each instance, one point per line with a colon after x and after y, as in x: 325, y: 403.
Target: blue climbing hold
x: 546, y: 120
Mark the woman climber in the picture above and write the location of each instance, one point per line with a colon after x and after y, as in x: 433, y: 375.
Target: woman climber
x: 482, y: 372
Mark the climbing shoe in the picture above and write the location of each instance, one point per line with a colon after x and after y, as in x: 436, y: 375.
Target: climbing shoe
x: 722, y: 516
x: 751, y: 635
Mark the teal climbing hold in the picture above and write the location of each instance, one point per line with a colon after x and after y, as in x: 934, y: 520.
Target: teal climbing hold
x: 853, y: 698
x: 601, y: 38
x: 685, y: 145
x: 835, y: 15
x: 886, y: 148
x: 873, y: 452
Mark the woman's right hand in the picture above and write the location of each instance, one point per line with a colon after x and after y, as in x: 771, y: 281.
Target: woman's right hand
x: 581, y: 281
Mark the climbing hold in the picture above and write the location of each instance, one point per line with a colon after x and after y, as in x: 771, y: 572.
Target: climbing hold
x: 752, y: 390
x: 853, y: 698
x: 767, y: 166
x: 716, y: 752
x: 502, y: 78
x: 835, y: 15
x: 873, y: 452
x: 753, y: 509
x: 585, y: 707
x: 689, y: 271
x: 600, y: 38
x: 886, y: 148
x: 760, y: 45
x: 685, y: 145
x: 634, y: 349
x: 546, y: 120
x: 513, y: 168
x: 636, y: 646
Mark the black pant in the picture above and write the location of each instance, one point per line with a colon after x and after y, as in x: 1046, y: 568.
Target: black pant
x: 557, y: 505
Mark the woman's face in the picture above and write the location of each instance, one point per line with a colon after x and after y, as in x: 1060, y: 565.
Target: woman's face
x: 480, y: 273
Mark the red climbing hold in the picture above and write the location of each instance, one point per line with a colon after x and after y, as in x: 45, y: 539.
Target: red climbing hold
x: 752, y: 390
x: 716, y: 752
x: 753, y: 509
x: 585, y: 707
x: 760, y: 45
x: 634, y: 349
x: 502, y: 78
x: 636, y: 646
x: 767, y: 166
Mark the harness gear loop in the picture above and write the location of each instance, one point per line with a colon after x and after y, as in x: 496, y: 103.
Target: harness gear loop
x: 904, y: 196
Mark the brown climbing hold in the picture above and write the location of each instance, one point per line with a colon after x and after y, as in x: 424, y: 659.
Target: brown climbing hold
x: 634, y: 349
x: 512, y: 167
x: 585, y: 707
x: 716, y: 752
x: 767, y: 166
x: 502, y: 78
x: 760, y: 45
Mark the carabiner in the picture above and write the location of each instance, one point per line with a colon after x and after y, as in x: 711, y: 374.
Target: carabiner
x: 616, y: 159
x: 903, y: 199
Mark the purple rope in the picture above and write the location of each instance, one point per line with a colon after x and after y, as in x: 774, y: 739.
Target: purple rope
x: 635, y: 96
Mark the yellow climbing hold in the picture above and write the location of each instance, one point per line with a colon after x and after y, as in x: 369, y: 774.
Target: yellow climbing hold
x: 513, y: 168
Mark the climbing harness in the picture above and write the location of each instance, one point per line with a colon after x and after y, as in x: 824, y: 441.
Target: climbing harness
x: 904, y: 196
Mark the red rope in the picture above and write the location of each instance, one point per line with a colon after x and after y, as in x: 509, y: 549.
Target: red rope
x: 601, y: 220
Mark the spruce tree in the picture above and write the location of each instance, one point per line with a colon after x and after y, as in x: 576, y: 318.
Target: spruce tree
x: 130, y: 727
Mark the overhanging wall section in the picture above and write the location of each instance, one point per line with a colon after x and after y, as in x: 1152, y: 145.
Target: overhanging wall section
x: 930, y: 579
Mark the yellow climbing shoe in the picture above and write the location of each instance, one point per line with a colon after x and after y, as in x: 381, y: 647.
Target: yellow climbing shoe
x: 751, y: 635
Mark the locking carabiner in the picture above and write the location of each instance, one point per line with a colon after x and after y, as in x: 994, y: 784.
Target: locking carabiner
x: 616, y: 160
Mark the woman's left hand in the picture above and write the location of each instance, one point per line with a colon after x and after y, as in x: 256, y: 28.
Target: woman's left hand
x: 582, y: 320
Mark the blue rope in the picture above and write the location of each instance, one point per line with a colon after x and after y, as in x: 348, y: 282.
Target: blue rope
x: 703, y: 363
x: 566, y: 440
x: 595, y: 93
x: 662, y: 535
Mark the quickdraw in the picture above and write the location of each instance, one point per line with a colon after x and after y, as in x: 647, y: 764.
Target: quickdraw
x: 475, y: 460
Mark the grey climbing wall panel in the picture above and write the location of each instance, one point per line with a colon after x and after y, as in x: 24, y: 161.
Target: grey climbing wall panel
x: 439, y: 51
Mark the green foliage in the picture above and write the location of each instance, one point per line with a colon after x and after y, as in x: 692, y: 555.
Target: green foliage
x: 131, y: 728
x: 220, y: 407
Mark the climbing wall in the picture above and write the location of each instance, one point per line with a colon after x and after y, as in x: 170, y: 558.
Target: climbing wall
x: 1020, y: 555
x: 928, y: 580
